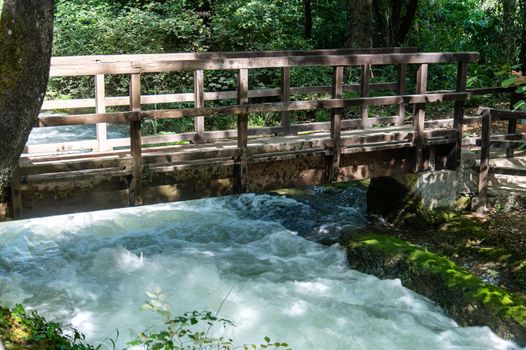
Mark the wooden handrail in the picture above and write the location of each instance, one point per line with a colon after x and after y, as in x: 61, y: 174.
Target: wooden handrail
x: 176, y: 65
x: 125, y: 117
x: 93, y: 59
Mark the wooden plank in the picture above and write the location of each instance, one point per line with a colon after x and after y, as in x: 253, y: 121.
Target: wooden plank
x: 61, y: 147
x: 304, y: 105
x: 285, y: 97
x: 376, y: 147
x: 208, y: 96
x: 94, y: 59
x: 458, y: 117
x: 199, y: 102
x: 336, y: 119
x: 364, y: 92
x: 419, y: 116
x: 209, y: 135
x: 509, y: 171
x: 100, y: 108
x: 401, y: 90
x: 16, y: 194
x: 293, y: 61
x: 77, y: 175
x: 135, y: 190
x: 490, y: 90
x: 505, y: 114
x: 83, y: 119
x: 480, y: 203
x: 508, y: 145
x: 241, y: 166
x: 158, y: 65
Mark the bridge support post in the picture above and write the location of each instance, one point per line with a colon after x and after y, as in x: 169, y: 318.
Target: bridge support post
x: 199, y: 102
x: 135, y: 194
x: 241, y: 161
x: 285, y: 97
x: 364, y: 92
x: 334, y: 159
x: 480, y: 202
x: 16, y: 194
x: 458, y: 121
x: 401, y: 88
x: 420, y: 116
x: 100, y: 108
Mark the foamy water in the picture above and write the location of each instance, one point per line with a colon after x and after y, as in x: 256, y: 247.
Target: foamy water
x: 92, y: 270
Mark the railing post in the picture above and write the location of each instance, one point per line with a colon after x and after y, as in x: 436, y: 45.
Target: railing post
x: 16, y: 194
x: 420, y: 116
x: 481, y: 201
x: 199, y: 102
x: 100, y: 107
x: 336, y: 120
x: 285, y: 97
x: 135, y: 193
x: 364, y: 92
x: 241, y: 166
x: 401, y: 89
x: 458, y: 122
x: 512, y: 123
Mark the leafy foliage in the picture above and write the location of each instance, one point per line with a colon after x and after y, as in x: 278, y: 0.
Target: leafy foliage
x: 191, y: 330
x: 20, y: 329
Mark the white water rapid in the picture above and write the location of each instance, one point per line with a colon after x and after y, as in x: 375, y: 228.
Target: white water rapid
x: 92, y: 270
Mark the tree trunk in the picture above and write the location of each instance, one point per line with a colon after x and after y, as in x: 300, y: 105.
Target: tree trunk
x: 360, y: 23
x: 508, y: 20
x: 523, y: 37
x: 26, y: 34
x: 407, y: 22
x: 307, y: 6
x: 396, y: 16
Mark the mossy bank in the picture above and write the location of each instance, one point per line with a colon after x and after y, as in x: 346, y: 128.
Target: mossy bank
x: 468, y: 299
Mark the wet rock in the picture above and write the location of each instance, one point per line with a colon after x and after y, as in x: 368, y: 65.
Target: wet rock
x: 468, y: 299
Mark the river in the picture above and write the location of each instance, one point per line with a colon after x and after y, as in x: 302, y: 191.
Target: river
x: 256, y: 254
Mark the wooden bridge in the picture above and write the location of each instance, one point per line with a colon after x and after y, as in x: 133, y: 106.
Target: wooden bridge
x: 112, y: 173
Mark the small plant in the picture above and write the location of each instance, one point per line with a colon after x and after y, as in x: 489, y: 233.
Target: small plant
x: 20, y: 329
x: 189, y: 331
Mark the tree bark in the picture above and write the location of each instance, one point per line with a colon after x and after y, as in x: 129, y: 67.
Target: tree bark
x: 360, y: 23
x: 523, y: 37
x: 307, y: 7
x: 509, y: 8
x: 26, y: 35
x: 406, y: 22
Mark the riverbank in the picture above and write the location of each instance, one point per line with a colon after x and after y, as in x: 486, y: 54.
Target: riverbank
x: 473, y: 266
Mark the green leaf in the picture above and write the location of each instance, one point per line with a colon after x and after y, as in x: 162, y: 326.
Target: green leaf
x: 509, y: 82
x: 267, y: 339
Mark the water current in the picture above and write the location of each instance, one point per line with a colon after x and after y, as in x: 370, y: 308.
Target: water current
x: 92, y: 271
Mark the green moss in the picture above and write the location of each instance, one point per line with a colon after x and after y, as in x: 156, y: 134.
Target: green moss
x: 21, y: 330
x: 438, y: 277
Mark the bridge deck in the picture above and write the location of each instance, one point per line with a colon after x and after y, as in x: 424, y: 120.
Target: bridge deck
x: 42, y: 168
x: 54, y: 184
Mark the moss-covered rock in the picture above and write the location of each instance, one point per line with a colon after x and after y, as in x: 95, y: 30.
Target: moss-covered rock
x: 468, y: 299
x: 21, y: 330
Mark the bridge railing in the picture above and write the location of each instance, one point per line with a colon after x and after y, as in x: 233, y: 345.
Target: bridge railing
x: 241, y: 63
x: 510, y: 141
x: 129, y: 64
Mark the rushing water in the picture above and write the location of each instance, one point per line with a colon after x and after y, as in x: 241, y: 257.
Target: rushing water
x: 92, y: 270
x: 60, y: 134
